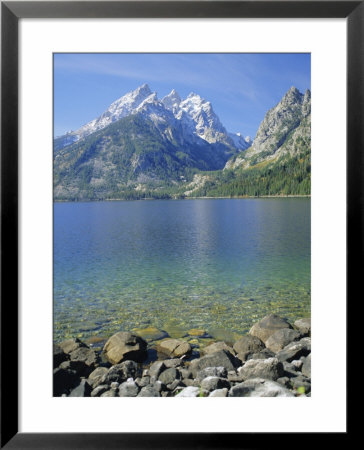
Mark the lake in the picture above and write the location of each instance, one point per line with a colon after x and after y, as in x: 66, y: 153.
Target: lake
x: 216, y: 264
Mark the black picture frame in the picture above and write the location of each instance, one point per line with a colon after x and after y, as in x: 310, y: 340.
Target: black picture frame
x: 11, y: 12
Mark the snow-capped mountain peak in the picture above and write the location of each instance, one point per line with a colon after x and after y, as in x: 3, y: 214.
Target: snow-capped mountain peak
x: 172, y: 100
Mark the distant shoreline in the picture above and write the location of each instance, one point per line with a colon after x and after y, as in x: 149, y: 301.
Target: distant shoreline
x: 186, y: 198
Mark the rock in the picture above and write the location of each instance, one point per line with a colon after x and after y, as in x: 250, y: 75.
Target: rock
x: 284, y: 381
x: 176, y: 362
x: 176, y: 383
x: 125, y: 346
x: 197, y: 332
x: 63, y: 381
x: 289, y: 369
x: 295, y: 350
x: 263, y: 354
x: 86, y: 355
x: 148, y: 391
x: 268, y: 326
x: 304, y: 326
x: 120, y: 372
x: 95, y: 377
x: 258, y: 387
x: 189, y: 391
x: 278, y: 340
x: 59, y: 356
x: 301, y: 384
x: 82, y: 390
x: 156, y: 369
x: 247, y: 345
x: 233, y: 377
x: 306, y: 368
x: 110, y: 393
x: 71, y: 345
x: 220, y: 372
x: 211, y: 383
x: 270, y: 369
x: 219, y: 393
x: 150, y: 333
x: 190, y: 382
x: 216, y: 346
x: 174, y: 347
x: 99, y: 390
x: 169, y: 375
x: 78, y: 366
x: 144, y: 381
x: 297, y: 364
x: 185, y: 373
x: 115, y: 385
x: 128, y: 389
x: 222, y: 358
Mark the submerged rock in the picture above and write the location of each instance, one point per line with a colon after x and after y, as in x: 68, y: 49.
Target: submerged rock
x: 150, y: 333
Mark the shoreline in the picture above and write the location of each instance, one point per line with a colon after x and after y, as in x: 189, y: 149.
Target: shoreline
x: 185, y: 198
x: 272, y: 360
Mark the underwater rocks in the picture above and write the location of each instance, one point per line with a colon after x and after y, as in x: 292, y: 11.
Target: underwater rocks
x: 280, y: 367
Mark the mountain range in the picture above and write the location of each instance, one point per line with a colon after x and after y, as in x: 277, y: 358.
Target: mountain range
x: 143, y: 147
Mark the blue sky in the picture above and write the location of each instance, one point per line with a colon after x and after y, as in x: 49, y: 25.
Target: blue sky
x: 241, y: 87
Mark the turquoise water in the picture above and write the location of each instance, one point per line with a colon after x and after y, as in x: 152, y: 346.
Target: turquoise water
x: 216, y: 264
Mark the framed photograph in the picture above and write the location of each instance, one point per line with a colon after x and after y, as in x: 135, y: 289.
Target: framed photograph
x: 163, y: 233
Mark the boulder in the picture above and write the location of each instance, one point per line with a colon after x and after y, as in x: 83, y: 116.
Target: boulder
x: 99, y: 390
x: 222, y: 358
x: 174, y: 347
x: 217, y: 346
x: 148, y: 391
x: 143, y: 381
x: 86, y: 355
x: 270, y: 369
x: 189, y: 391
x: 95, y: 377
x: 150, y: 333
x: 304, y: 325
x: 82, y: 390
x: 120, y: 372
x: 128, y: 389
x: 306, y: 368
x: 268, y: 326
x: 211, y: 383
x: 295, y: 350
x: 156, y: 369
x: 263, y: 354
x: 247, y: 345
x: 80, y: 367
x: 169, y: 375
x: 278, y: 340
x: 71, y: 345
x: 109, y: 393
x: 259, y: 387
x: 175, y: 362
x: 63, y: 381
x: 220, y: 372
x: 124, y: 346
x: 219, y: 393
x: 59, y: 356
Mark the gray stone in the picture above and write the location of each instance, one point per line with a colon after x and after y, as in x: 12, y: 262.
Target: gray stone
x: 185, y: 373
x: 284, y: 381
x: 189, y: 391
x: 190, y: 382
x: 211, y: 372
x: 304, y: 325
x: 247, y: 345
x: 120, y: 372
x: 114, y: 385
x: 268, y: 326
x: 295, y: 350
x: 219, y: 393
x: 148, y: 391
x: 82, y: 390
x: 110, y: 393
x: 175, y: 362
x: 222, y: 358
x: 306, y: 368
x: 87, y: 356
x: 172, y: 386
x: 144, y: 381
x: 270, y: 369
x: 156, y: 369
x: 263, y: 354
x: 80, y: 367
x: 95, y: 377
x: 297, y: 364
x: 259, y: 387
x: 211, y: 383
x: 217, y: 346
x: 300, y: 382
x: 99, y: 390
x: 174, y: 347
x: 169, y: 375
x: 278, y: 340
x: 128, y: 389
x: 70, y: 345
x: 124, y: 346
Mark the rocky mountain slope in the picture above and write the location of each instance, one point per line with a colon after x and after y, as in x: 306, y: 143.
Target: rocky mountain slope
x: 143, y: 147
